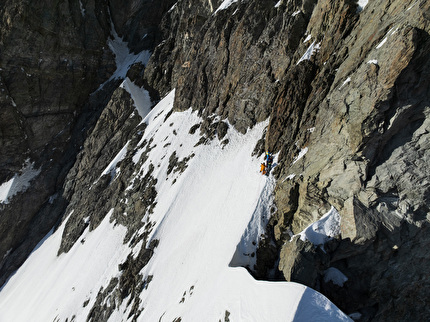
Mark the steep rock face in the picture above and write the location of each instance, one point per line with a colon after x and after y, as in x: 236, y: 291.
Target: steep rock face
x: 138, y: 21
x: 349, y: 119
x: 363, y: 157
x: 229, y: 64
x: 45, y: 91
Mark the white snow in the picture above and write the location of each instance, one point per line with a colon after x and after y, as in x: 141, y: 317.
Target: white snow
x: 123, y: 57
x: 345, y: 82
x: 313, y: 48
x: 48, y: 287
x: 296, y: 13
x: 413, y: 5
x: 140, y: 96
x: 309, y: 37
x: 19, y: 183
x: 247, y: 247
x: 173, y: 7
x: 355, y: 316
x: 389, y: 33
x: 112, y: 167
x: 301, y: 154
x: 278, y: 4
x: 205, y: 219
x: 373, y: 61
x: 308, y: 309
x: 334, y: 275
x: 382, y: 43
x: 319, y: 232
x: 362, y: 4
x: 289, y: 177
x: 224, y: 5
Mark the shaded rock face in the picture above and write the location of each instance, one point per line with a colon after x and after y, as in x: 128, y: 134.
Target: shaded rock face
x: 227, y: 64
x: 44, y: 105
x: 54, y: 56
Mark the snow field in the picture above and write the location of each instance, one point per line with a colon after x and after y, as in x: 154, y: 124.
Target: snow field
x: 55, y: 287
x: 201, y: 217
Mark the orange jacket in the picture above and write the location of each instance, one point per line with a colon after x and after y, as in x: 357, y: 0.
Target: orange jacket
x: 263, y: 167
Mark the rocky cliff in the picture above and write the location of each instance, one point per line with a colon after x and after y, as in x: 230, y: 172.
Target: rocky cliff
x: 343, y: 84
x: 54, y: 57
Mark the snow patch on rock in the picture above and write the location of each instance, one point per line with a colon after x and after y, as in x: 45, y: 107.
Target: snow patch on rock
x: 321, y: 231
x: 335, y: 276
x: 312, y: 49
x: 19, y: 183
x: 140, y: 96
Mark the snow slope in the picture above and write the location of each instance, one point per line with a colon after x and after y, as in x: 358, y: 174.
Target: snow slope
x: 201, y: 217
x: 19, y: 183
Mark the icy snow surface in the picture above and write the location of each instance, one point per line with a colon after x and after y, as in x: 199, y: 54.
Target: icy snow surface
x: 302, y: 153
x: 203, y: 216
x: 123, y: 57
x: 389, y: 33
x: 348, y: 80
x: 19, y: 183
x: 309, y: 37
x: 140, y: 97
x: 47, y: 286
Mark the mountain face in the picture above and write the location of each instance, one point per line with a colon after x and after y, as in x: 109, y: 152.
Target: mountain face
x: 131, y: 138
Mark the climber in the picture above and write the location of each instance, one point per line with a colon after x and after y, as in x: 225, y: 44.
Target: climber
x: 269, y: 161
x: 263, y: 168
